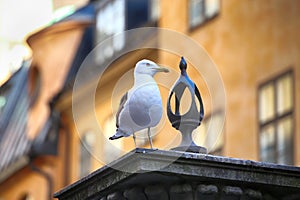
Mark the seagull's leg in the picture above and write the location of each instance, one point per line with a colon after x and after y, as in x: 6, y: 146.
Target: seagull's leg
x: 134, y: 139
x: 150, y: 139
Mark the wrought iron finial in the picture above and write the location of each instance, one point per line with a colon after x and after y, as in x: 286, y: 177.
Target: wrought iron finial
x: 182, y: 65
x: 190, y: 120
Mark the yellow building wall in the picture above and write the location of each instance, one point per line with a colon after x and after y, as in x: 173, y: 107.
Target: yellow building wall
x: 250, y: 42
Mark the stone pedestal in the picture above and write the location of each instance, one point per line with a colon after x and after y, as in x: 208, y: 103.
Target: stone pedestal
x: 162, y: 175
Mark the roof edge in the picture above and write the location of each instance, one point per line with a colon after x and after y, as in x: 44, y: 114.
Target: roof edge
x: 58, y: 28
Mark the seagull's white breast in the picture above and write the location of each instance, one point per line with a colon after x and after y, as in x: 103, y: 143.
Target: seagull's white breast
x: 143, y: 108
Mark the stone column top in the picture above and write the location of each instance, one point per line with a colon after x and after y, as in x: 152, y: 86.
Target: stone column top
x: 146, y: 168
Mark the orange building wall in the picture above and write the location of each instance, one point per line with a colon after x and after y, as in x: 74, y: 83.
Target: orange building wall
x: 52, y: 62
x: 27, y: 181
x: 33, y: 185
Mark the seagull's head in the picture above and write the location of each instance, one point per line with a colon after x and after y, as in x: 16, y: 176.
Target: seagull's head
x: 148, y: 67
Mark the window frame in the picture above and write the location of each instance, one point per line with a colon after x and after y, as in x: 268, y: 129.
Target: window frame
x: 206, y: 20
x: 275, y: 121
x: 108, y: 50
x: 152, y: 21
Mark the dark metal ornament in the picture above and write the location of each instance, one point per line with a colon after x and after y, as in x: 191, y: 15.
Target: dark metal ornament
x: 190, y: 120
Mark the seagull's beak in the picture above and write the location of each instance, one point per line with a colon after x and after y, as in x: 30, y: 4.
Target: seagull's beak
x: 159, y: 68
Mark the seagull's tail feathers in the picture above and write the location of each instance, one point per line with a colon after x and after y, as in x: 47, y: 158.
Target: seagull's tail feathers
x: 117, y: 135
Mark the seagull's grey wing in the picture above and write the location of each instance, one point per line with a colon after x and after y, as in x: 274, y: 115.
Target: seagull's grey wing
x: 121, y: 107
x: 139, y: 115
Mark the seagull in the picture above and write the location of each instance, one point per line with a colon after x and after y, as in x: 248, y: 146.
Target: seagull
x: 141, y: 107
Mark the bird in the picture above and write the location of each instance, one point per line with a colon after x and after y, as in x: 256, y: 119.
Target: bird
x: 141, y: 107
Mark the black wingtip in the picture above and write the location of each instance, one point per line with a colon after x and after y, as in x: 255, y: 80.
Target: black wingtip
x: 114, y: 137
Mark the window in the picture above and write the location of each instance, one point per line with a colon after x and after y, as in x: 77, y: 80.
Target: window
x: 116, y: 16
x: 275, y: 119
x: 211, y: 133
x: 201, y: 11
x: 86, y: 147
x: 110, y: 21
x: 141, y: 13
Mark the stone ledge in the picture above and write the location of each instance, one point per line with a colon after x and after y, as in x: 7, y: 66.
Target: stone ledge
x: 158, y: 174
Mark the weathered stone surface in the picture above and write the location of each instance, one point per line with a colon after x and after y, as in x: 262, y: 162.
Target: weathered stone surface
x: 250, y: 194
x: 269, y: 197
x: 135, y: 193
x: 157, y: 192
x: 179, y: 192
x: 231, y: 193
x: 207, y: 192
x: 207, y: 189
x: 173, y: 175
x: 116, y: 196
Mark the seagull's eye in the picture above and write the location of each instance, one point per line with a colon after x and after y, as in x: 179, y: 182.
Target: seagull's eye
x: 147, y: 64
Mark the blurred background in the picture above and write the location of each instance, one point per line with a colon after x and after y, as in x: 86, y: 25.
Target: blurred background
x: 45, y: 145
x: 18, y: 20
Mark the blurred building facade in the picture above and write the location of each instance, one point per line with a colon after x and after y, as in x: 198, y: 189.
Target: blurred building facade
x: 45, y: 146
